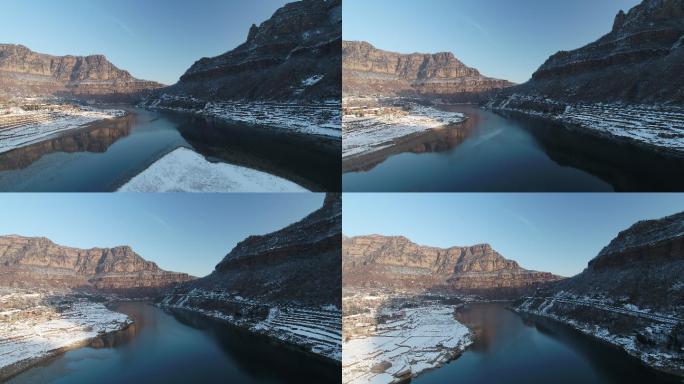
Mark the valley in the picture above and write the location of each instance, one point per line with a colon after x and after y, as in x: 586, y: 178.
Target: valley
x: 430, y: 313
x: 278, y: 288
x: 597, y: 118
x: 279, y: 84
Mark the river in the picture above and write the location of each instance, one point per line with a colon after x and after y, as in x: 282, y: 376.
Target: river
x: 103, y: 156
x: 495, y: 153
x: 180, y: 348
x: 510, y: 350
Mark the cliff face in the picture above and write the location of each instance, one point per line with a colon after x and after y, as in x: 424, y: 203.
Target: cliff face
x: 295, y: 55
x: 380, y: 261
x: 299, y: 263
x: 644, y: 263
x: 26, y: 73
x: 284, y: 284
x: 28, y: 262
x: 630, y: 295
x: 638, y: 61
x: 369, y: 71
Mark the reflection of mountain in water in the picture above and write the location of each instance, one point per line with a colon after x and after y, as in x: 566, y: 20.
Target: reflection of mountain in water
x: 432, y: 141
x: 253, y: 352
x: 308, y: 160
x: 95, y: 138
x: 623, y: 165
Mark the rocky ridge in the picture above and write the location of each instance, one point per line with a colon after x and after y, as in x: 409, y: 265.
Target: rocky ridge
x: 381, y: 261
x: 37, y: 262
x: 626, y: 85
x: 368, y: 71
x: 294, y: 55
x: 284, y: 284
x: 27, y: 73
x: 630, y: 295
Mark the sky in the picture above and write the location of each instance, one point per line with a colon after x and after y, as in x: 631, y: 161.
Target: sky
x: 556, y: 233
x: 502, y: 38
x: 184, y: 232
x: 152, y: 39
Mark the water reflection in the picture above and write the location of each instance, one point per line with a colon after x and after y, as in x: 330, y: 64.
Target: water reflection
x: 514, y: 153
x: 180, y: 347
x: 510, y: 349
x: 95, y: 138
x: 432, y: 141
x: 311, y: 161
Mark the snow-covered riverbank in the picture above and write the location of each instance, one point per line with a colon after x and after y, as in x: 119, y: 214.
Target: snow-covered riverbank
x: 408, y: 342
x: 321, y: 119
x: 316, y: 329
x: 184, y: 170
x: 642, y: 333
x: 655, y: 126
x: 372, y: 132
x: 24, y: 125
x: 34, y: 327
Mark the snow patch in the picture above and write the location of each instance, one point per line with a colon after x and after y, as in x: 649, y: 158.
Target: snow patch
x: 184, y: 170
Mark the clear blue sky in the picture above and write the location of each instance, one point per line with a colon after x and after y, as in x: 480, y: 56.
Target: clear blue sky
x: 153, y: 39
x: 181, y: 232
x: 502, y: 38
x: 556, y: 233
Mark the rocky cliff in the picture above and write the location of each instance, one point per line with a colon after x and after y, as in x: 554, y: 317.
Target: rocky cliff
x: 381, y: 261
x: 284, y: 284
x: 631, y: 294
x: 368, y: 71
x: 36, y: 262
x: 637, y: 62
x: 294, y: 55
x: 299, y: 263
x: 27, y: 73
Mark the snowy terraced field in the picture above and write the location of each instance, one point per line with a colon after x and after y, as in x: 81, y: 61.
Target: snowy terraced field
x: 318, y: 330
x: 184, y: 170
x: 317, y: 119
x: 653, y: 125
x: 30, y: 329
x: 20, y: 128
x: 414, y: 340
x: 659, y: 324
x: 363, y: 135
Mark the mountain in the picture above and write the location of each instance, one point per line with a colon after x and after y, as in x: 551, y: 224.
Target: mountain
x: 294, y: 55
x: 27, y: 73
x: 382, y: 261
x: 631, y: 294
x: 626, y: 87
x: 638, y: 61
x: 299, y: 263
x: 36, y: 262
x: 368, y: 71
x: 284, y: 284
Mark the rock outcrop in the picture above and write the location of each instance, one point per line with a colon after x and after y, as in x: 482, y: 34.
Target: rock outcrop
x: 637, y: 62
x: 295, y: 55
x: 630, y: 295
x: 284, y: 284
x: 381, y: 261
x: 299, y: 263
x: 368, y: 71
x: 36, y: 262
x: 27, y: 73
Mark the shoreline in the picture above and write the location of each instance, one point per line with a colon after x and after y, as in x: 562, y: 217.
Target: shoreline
x: 10, y: 371
x: 405, y: 144
x: 289, y: 345
x: 659, y: 150
x: 575, y: 328
x: 34, y: 127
